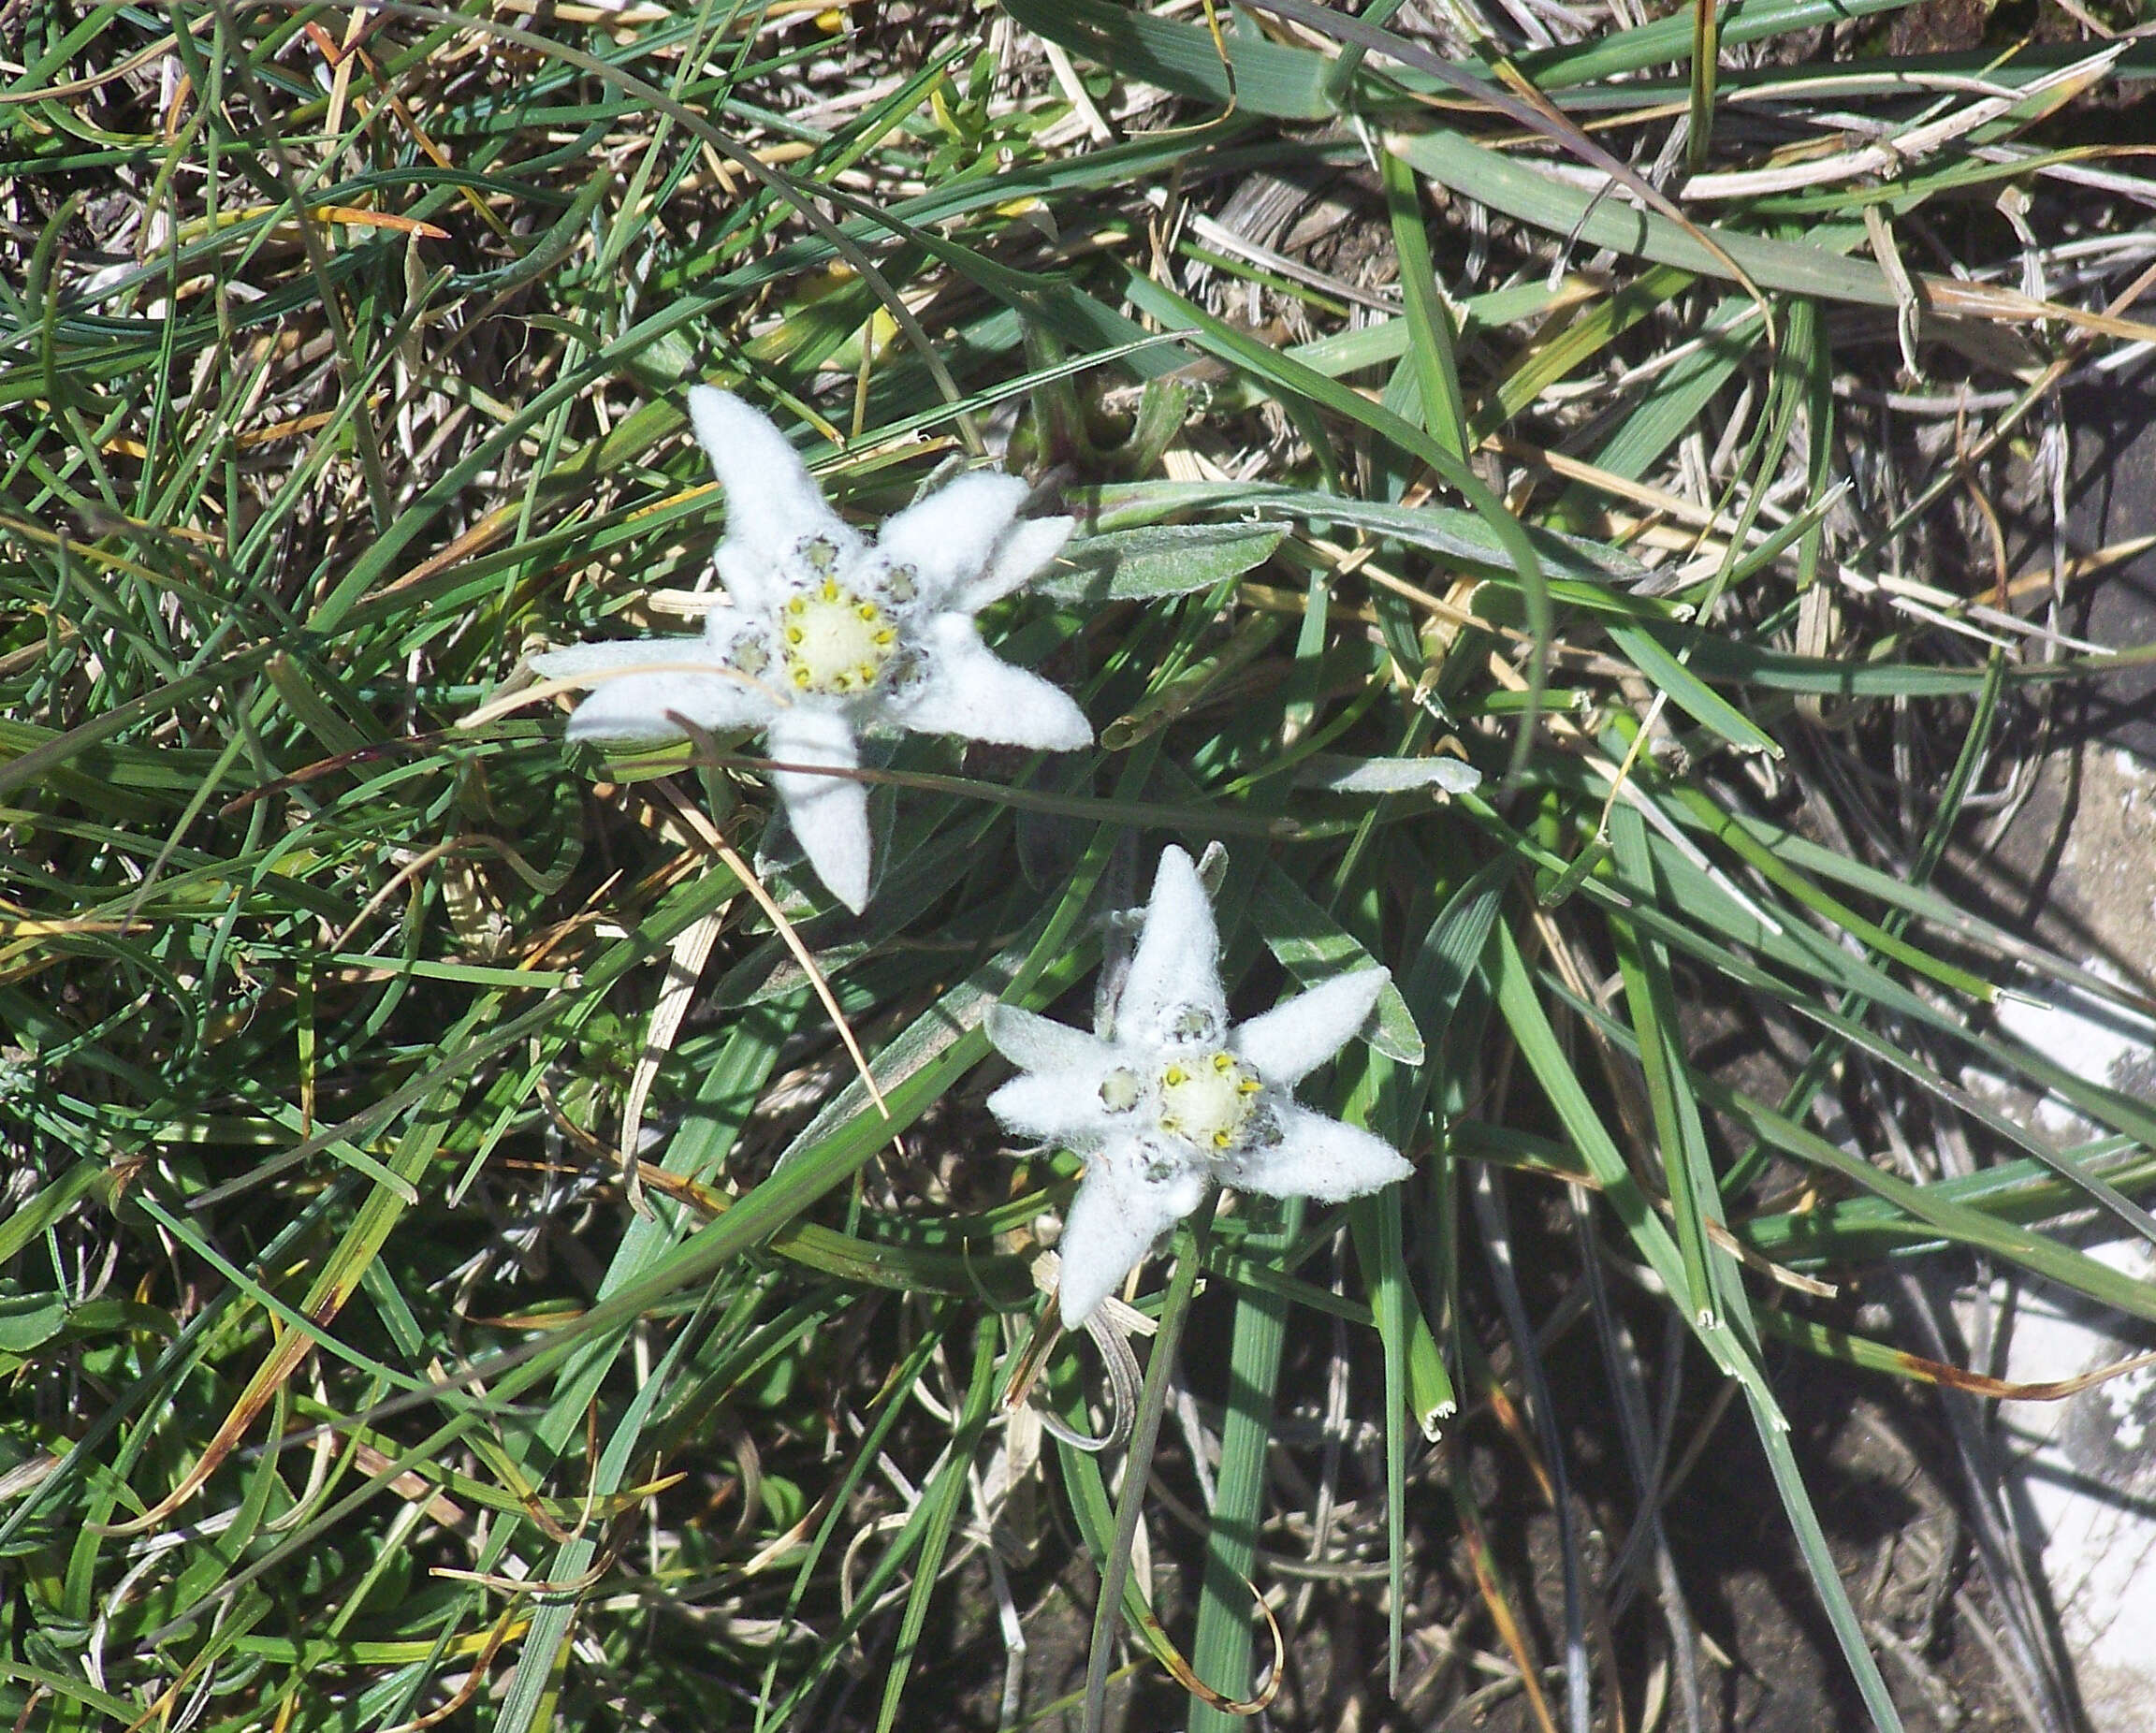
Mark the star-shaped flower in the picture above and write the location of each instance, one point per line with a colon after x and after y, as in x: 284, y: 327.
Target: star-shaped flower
x: 831, y: 634
x: 1172, y: 1099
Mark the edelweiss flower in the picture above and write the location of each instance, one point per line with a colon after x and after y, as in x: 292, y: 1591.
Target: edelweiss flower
x: 1172, y: 1099
x: 830, y: 634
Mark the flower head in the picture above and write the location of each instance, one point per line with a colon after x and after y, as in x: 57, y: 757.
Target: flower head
x: 1172, y: 1099
x: 831, y: 634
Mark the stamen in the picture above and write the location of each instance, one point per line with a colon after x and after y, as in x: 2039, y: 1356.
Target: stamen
x: 836, y: 641
x: 1208, y: 1102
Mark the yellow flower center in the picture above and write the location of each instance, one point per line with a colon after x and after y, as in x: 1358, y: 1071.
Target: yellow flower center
x: 1206, y: 1098
x: 834, y: 642
x: 1120, y: 1090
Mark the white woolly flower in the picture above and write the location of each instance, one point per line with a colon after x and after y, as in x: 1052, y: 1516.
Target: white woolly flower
x: 1173, y: 1098
x: 831, y: 634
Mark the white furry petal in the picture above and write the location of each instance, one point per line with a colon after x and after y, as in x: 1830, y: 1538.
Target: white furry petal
x: 750, y: 579
x: 1120, y: 1210
x: 594, y: 662
x: 772, y: 501
x: 948, y: 537
x: 1315, y: 1157
x: 969, y: 691
x: 1025, y: 548
x: 1176, y: 965
x: 1058, y: 1106
x: 640, y: 706
x: 1040, y: 1044
x: 1293, y: 1040
x: 829, y: 813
